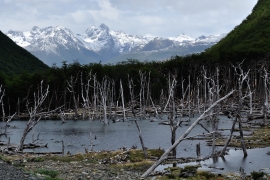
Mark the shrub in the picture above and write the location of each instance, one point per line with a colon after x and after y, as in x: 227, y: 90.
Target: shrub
x: 256, y: 175
x: 50, y: 173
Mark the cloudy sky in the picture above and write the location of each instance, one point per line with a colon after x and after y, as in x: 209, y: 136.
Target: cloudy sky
x: 163, y: 18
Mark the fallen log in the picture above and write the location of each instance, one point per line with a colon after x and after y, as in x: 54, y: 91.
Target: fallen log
x: 32, y: 146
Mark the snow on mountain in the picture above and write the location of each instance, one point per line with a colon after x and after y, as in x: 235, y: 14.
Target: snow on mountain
x: 100, y: 37
x: 125, y: 42
x: 96, y: 43
x: 19, y: 38
x: 47, y: 39
x: 97, y: 37
x: 182, y: 38
x: 210, y: 39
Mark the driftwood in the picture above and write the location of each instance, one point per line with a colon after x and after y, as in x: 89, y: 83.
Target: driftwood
x: 32, y: 146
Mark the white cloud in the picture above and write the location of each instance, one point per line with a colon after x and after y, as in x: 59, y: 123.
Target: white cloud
x: 160, y: 17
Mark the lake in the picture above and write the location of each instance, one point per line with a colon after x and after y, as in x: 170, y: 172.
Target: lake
x: 76, y: 136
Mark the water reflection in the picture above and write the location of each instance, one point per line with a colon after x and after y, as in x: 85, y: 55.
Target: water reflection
x: 76, y: 136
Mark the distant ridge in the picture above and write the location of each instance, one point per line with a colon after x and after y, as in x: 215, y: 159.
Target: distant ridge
x: 249, y: 40
x: 100, y: 44
x: 15, y: 59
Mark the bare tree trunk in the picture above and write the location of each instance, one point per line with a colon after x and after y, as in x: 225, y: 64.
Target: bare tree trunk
x: 242, y: 77
x: 148, y: 91
x: 3, y: 111
x: 141, y: 139
x: 35, y: 114
x: 205, y: 92
x: 180, y: 139
x: 104, y: 88
x: 142, y: 99
x: 189, y: 99
x: 250, y: 98
x: 131, y: 91
x: 18, y: 110
x: 265, y: 104
x: 123, y: 102
x: 71, y: 85
x: 198, y: 96
x: 229, y: 139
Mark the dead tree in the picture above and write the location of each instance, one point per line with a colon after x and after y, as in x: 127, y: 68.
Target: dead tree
x: 104, y: 88
x: 180, y: 139
x: 36, y: 112
x: 111, y: 98
x: 250, y: 98
x: 198, y: 83
x: 8, y: 118
x: 85, y: 88
x: 265, y: 104
x: 71, y: 88
x: 123, y: 101
x: 242, y: 77
x: 184, y: 92
x: 174, y: 123
x: 213, y: 112
x: 131, y: 91
x: 189, y: 98
x: 2, y: 94
x: 142, y: 89
x: 205, y: 86
x: 95, y: 93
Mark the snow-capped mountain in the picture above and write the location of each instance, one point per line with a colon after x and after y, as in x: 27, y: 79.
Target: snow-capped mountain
x: 58, y: 44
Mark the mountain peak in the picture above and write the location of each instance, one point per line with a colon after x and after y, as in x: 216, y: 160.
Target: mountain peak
x: 53, y: 43
x: 103, y: 26
x: 35, y: 28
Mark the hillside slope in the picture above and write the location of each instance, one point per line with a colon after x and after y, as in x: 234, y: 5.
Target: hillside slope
x: 14, y: 59
x: 249, y: 40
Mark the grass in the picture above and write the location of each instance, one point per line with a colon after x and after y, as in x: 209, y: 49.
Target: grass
x: 48, y: 173
x: 36, y: 159
x: 178, y: 174
x: 134, y: 156
x: 259, y: 138
x: 256, y: 175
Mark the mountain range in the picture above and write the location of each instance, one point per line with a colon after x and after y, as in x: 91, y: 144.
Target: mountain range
x: 100, y: 44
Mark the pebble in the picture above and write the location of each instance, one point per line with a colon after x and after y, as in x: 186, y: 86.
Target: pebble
x: 9, y: 172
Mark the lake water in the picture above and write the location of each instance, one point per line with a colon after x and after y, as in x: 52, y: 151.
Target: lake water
x: 76, y: 136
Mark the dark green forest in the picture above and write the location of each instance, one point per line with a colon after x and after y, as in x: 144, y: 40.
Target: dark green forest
x: 16, y: 60
x: 249, y: 40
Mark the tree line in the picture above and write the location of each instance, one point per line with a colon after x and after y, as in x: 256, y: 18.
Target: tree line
x: 67, y: 82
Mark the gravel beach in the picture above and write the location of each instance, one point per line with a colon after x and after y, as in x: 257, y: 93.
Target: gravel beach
x: 9, y: 172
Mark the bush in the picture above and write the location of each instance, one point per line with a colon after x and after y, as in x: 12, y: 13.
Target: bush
x: 50, y: 173
x: 256, y: 175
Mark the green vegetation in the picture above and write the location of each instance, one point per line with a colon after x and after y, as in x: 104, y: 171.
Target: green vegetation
x: 135, y: 155
x: 249, y: 40
x: 189, y: 173
x: 258, y: 138
x: 256, y: 175
x: 15, y: 60
x: 50, y: 175
x: 37, y: 159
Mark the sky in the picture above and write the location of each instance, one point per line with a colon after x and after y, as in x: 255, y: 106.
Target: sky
x: 161, y: 18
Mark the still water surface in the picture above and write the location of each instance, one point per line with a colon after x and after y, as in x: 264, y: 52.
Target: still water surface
x: 76, y: 136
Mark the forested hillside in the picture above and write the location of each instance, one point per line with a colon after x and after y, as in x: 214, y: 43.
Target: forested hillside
x: 15, y: 60
x: 249, y: 40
